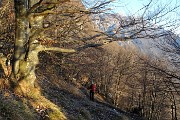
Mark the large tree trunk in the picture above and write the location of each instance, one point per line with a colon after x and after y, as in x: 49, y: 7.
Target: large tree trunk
x: 29, y: 27
x: 25, y: 55
x: 22, y: 37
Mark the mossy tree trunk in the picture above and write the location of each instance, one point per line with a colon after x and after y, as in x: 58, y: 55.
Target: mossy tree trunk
x: 25, y: 53
x: 22, y: 39
x: 29, y: 28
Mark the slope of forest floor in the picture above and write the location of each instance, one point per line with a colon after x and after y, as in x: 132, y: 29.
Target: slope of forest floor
x: 70, y: 96
x: 73, y: 98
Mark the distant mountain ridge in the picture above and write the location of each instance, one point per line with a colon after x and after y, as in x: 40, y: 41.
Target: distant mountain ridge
x: 145, y: 37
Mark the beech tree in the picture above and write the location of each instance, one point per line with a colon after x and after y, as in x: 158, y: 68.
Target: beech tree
x: 30, y: 35
x: 41, y: 25
x: 45, y: 25
x: 31, y: 28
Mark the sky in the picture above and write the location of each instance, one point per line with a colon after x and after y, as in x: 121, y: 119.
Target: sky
x: 132, y: 7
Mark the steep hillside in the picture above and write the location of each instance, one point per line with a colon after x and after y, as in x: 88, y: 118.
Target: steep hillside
x: 73, y: 97
x: 67, y: 93
x: 60, y: 90
x: 152, y: 40
x: 56, y: 95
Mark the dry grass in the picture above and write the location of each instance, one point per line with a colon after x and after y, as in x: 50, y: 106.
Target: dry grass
x: 43, y: 106
x: 14, y: 109
x: 52, y: 111
x: 4, y: 84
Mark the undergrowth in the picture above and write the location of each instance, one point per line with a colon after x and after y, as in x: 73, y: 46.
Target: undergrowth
x: 12, y: 109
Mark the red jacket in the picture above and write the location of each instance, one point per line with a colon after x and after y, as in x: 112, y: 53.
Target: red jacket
x: 93, y: 87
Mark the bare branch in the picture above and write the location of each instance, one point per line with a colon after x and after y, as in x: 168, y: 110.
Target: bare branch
x: 62, y: 50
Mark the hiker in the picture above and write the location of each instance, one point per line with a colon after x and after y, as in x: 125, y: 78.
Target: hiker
x: 92, y: 90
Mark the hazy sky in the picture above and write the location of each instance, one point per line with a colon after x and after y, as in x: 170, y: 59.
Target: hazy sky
x: 130, y: 7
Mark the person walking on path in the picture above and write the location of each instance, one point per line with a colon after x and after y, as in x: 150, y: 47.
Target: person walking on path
x: 92, y: 90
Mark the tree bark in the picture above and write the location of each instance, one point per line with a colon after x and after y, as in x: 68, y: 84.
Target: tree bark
x: 29, y: 28
x: 21, y: 38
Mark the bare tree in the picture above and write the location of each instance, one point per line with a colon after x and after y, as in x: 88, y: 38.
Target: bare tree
x: 43, y: 25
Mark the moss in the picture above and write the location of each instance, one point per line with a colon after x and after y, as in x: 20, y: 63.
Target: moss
x: 56, y: 115
x: 33, y: 97
x: 15, y: 110
x: 52, y: 111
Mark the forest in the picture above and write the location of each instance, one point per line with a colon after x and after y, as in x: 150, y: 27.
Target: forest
x: 51, y: 50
